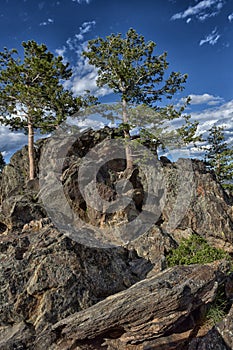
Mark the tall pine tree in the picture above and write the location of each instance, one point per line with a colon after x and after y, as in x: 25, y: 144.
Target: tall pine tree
x: 31, y: 92
x: 129, y: 67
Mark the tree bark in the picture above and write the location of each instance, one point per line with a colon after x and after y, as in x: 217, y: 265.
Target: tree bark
x: 128, y: 152
x: 31, y: 155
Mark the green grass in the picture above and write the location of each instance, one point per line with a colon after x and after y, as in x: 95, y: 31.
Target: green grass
x: 196, y: 250
x: 218, y: 309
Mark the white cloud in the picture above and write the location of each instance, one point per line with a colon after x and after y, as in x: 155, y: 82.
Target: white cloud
x: 205, y: 99
x: 207, y: 15
x: 200, y: 10
x: 74, y: 43
x: 81, y: 1
x: 230, y: 17
x: 211, y: 38
x: 61, y: 52
x: 90, y: 122
x: 188, y: 20
x: 84, y: 75
x: 87, y: 82
x: 221, y: 116
x: 85, y: 28
x: 11, y: 140
x: 45, y: 23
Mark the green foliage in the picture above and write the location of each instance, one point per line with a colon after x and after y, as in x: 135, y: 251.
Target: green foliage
x: 219, y: 156
x: 194, y: 250
x: 130, y: 68
x: 32, y: 95
x: 187, y: 132
x: 2, y: 162
x: 32, y: 90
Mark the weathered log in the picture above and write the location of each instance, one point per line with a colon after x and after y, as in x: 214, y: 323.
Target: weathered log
x: 161, y: 310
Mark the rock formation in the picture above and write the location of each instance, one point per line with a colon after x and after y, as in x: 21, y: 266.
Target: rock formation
x: 63, y: 291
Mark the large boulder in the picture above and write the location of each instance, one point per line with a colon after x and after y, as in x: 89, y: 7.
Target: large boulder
x: 210, y: 209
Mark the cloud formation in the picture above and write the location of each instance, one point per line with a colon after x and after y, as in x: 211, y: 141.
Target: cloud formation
x: 85, y: 28
x: 73, y: 43
x: 81, y: 1
x: 230, y: 17
x: 211, y: 38
x: 10, y: 141
x: 61, y: 52
x: 221, y: 116
x: 202, y: 10
x: 208, y: 99
x: 45, y: 23
x: 84, y: 75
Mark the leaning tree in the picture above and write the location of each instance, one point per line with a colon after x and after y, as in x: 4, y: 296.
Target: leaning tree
x: 128, y: 66
x: 32, y: 96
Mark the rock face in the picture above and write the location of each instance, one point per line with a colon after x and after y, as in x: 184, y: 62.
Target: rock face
x: 48, y: 276
x: 149, y: 314
x: 210, y: 210
x: 219, y: 337
x: 18, y: 197
x: 161, y: 312
x: 57, y: 291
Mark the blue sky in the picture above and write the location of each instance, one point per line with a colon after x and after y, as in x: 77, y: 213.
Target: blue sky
x: 198, y: 36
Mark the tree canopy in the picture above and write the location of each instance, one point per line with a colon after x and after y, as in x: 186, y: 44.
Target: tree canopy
x: 32, y: 95
x: 129, y: 67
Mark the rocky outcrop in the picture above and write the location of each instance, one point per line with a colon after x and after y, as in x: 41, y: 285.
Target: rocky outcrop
x: 161, y: 312
x: 149, y: 314
x: 185, y: 194
x: 60, y: 290
x: 210, y: 211
x: 45, y: 276
x: 19, y: 202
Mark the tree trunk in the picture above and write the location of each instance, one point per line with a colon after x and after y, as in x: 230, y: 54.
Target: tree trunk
x: 31, y: 155
x: 128, y: 153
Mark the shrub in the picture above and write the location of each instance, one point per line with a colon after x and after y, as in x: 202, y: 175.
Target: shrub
x: 195, y: 250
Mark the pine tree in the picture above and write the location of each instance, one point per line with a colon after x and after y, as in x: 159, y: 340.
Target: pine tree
x: 129, y: 67
x: 219, y: 156
x: 31, y: 92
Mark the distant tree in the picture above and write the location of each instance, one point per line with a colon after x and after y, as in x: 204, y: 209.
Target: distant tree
x: 129, y: 67
x: 219, y: 156
x: 31, y: 92
x: 2, y: 162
